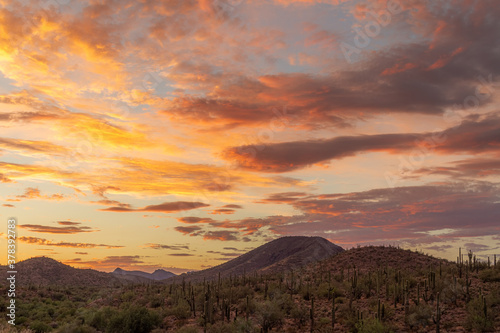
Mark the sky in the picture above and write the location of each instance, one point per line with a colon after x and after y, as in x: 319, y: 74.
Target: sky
x: 179, y: 134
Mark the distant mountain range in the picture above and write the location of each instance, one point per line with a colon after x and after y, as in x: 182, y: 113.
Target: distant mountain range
x: 278, y: 255
x: 157, y: 275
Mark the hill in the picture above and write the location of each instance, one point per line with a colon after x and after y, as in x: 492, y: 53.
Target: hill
x: 372, y: 258
x: 278, y: 255
x: 46, y: 271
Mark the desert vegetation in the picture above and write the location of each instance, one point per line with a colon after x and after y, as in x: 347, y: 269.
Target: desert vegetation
x: 367, y: 289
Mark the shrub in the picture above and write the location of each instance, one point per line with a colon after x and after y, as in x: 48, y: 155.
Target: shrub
x: 187, y: 329
x: 490, y: 275
x: 269, y: 315
x: 180, y: 311
x: 372, y: 325
x: 75, y: 328
x: 419, y: 315
x: 476, y: 319
x: 300, y: 315
x: 140, y: 320
x: 40, y: 327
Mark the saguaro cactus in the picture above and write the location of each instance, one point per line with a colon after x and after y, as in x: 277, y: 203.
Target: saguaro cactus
x: 437, y: 317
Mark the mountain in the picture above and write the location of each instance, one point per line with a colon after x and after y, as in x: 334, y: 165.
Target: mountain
x: 46, y: 271
x: 278, y: 255
x: 157, y: 275
x: 372, y: 258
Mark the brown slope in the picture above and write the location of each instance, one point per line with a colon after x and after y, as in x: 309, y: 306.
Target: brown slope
x: 280, y: 254
x: 46, y: 271
x: 371, y: 258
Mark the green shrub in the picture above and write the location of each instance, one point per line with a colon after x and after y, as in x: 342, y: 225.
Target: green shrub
x: 40, y: 327
x: 419, y: 315
x: 269, y: 315
x: 180, y: 311
x: 372, y: 325
x: 476, y: 319
x: 76, y: 328
x: 140, y: 320
x: 300, y: 315
x: 490, y: 275
x: 187, y: 329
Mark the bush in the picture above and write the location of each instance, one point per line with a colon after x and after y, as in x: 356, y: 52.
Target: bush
x: 40, y: 327
x: 372, y: 325
x: 180, y: 311
x: 300, y: 315
x: 75, y: 328
x: 187, y: 329
x: 141, y: 320
x: 490, y: 275
x: 269, y: 315
x: 135, y: 319
x: 419, y: 315
x: 476, y: 319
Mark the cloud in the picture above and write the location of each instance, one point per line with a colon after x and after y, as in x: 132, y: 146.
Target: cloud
x: 8, y: 205
x: 225, y: 254
x: 194, y: 219
x: 56, y: 230
x: 233, y: 206
x: 45, y: 242
x: 425, y: 215
x: 416, y: 214
x: 127, y: 262
x: 34, y: 193
x: 222, y: 211
x: 68, y: 223
x: 166, y: 207
x: 191, y: 230
x: 222, y: 235
x: 115, y: 203
x: 28, y: 147
x: 439, y: 248
x: 181, y: 254
x: 474, y: 247
x: 167, y: 247
x: 475, y: 134
x: 4, y: 179
x: 285, y: 197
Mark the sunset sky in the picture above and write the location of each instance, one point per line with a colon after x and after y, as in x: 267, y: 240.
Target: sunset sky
x: 179, y: 134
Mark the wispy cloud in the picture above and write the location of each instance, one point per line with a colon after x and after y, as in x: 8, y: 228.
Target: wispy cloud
x: 46, y: 242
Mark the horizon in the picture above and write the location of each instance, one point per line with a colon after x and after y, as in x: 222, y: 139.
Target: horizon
x: 182, y: 134
x: 152, y: 270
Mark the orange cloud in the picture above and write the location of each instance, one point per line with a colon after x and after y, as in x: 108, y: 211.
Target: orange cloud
x: 34, y: 193
x: 56, y: 230
x: 445, y: 59
x: 46, y: 242
x: 222, y: 235
x: 32, y: 147
x: 166, y: 207
x: 167, y: 247
x: 398, y: 68
x: 222, y: 211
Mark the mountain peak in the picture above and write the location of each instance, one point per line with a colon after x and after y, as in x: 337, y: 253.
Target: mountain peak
x: 288, y: 252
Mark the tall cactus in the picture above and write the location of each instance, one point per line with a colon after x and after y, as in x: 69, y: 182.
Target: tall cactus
x: 437, y: 317
x: 333, y: 311
x: 311, y: 314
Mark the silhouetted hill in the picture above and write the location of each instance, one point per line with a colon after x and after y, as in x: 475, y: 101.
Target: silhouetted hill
x: 157, y: 275
x: 371, y: 258
x: 280, y: 254
x: 47, y: 271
